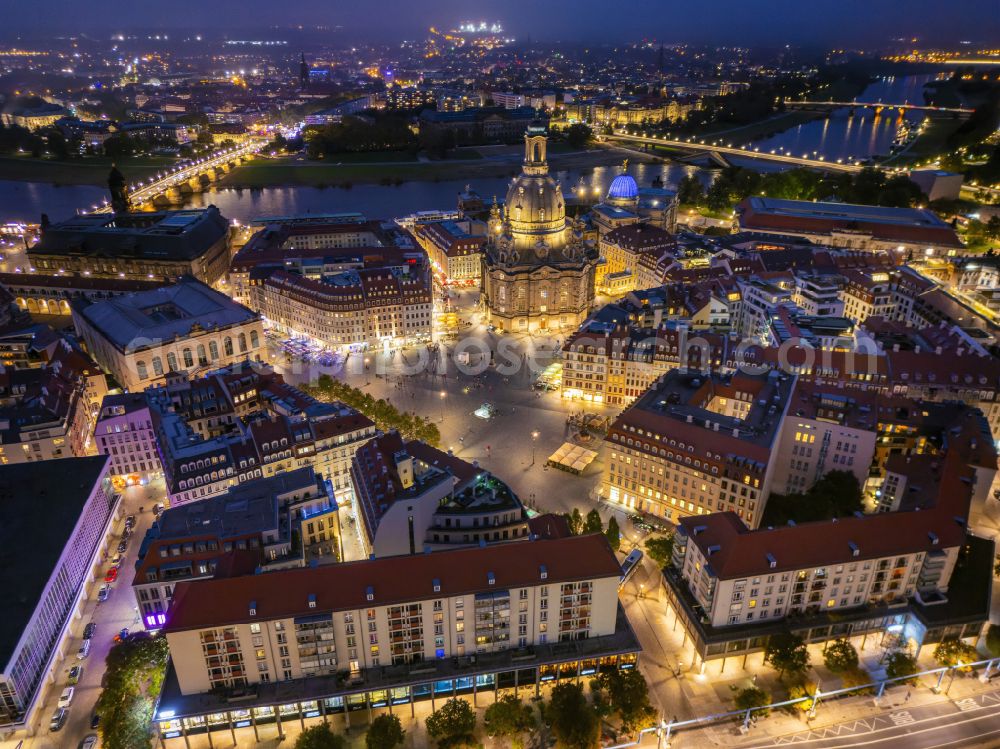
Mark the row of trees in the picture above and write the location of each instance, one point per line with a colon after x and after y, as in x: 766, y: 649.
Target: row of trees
x: 870, y: 186
x: 592, y: 523
x: 385, y: 415
x: 788, y: 655
x: 135, y: 668
x: 377, y: 132
x: 568, y: 716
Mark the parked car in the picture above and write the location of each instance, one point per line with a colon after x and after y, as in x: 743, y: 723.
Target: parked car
x: 111, y: 575
x: 89, y: 741
x: 74, y: 675
x: 66, y: 698
x: 122, y: 546
x: 84, y: 650
x: 116, y: 560
x: 103, y: 593
x: 89, y: 630
x: 95, y: 721
x: 130, y: 521
x: 58, y: 719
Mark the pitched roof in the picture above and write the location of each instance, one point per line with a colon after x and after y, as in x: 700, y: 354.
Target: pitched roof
x: 342, y: 587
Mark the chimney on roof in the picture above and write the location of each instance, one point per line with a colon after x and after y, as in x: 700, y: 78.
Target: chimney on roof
x: 736, y: 432
x: 713, y: 549
x: 700, y: 529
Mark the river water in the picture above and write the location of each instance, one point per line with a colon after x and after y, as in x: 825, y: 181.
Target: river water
x: 856, y: 135
x: 841, y: 135
x: 27, y: 200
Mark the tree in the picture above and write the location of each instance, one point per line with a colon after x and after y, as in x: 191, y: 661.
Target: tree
x: 629, y: 697
x: 593, y: 523
x: 385, y: 732
x: 752, y: 697
x: 787, y: 654
x: 579, y: 135
x: 798, y: 691
x: 899, y: 664
x: 453, y: 720
x: 993, y: 639
x: 508, y: 716
x: 952, y: 651
x: 840, y: 656
x: 134, y: 674
x: 836, y: 495
x: 690, y: 191
x: 614, y: 535
x: 574, y: 723
x: 575, y: 521
x: 320, y: 737
x: 661, y: 549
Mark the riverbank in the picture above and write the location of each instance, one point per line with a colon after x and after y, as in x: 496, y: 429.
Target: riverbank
x: 263, y: 172
x: 773, y: 125
x: 88, y: 171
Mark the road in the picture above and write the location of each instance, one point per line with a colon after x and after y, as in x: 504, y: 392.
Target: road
x: 747, y: 153
x: 970, y: 721
x: 111, y: 616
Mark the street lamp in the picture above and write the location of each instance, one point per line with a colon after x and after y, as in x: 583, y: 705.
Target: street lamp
x: 443, y: 396
x: 534, y: 437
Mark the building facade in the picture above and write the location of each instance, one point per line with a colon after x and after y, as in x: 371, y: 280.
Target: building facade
x: 417, y: 620
x: 538, y: 274
x: 47, y: 583
x: 412, y: 497
x: 163, y: 245
x: 185, y: 327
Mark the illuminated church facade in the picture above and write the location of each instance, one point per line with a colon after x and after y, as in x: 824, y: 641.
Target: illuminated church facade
x: 537, y: 272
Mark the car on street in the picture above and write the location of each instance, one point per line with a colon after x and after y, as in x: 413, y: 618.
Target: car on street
x: 89, y: 630
x: 111, y: 575
x: 58, y: 719
x: 130, y: 521
x: 103, y: 593
x: 84, y: 650
x: 89, y: 741
x: 74, y: 675
x: 122, y: 546
x: 66, y: 698
x: 95, y: 721
x: 116, y: 560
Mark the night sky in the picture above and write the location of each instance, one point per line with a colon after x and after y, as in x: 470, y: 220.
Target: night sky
x: 824, y: 22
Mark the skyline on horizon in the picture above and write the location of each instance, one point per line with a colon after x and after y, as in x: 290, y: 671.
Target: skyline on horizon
x: 851, y: 23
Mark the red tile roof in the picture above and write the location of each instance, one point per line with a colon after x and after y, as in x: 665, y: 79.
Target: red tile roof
x: 343, y: 587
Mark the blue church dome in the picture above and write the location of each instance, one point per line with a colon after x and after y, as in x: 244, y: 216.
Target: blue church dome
x: 623, y: 187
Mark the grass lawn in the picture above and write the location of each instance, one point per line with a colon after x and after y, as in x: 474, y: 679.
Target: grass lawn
x: 262, y: 173
x: 763, y: 129
x: 89, y: 171
x: 931, y: 142
x: 370, y: 157
x: 465, y: 154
